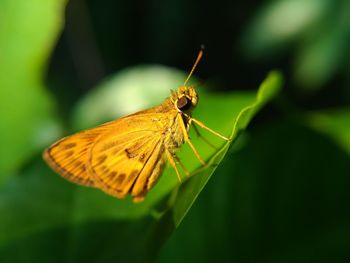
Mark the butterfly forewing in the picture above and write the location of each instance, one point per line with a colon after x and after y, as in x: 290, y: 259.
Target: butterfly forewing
x: 69, y: 156
x: 117, y: 161
x: 120, y: 157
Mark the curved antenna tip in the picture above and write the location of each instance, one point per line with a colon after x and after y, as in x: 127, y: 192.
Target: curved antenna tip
x: 200, y: 54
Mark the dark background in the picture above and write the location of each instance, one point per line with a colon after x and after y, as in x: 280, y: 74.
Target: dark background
x: 102, y: 38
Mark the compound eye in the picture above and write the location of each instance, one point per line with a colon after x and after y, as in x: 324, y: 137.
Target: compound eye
x: 184, y: 103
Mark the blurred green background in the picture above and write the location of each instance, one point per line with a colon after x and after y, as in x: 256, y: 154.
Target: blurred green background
x: 279, y: 194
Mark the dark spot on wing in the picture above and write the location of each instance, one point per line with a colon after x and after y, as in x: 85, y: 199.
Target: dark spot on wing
x: 68, y: 146
x: 104, y: 169
x: 120, y: 178
x: 69, y: 154
x: 134, y: 173
x: 112, y: 174
x: 78, y: 163
x: 80, y: 166
x: 142, y: 158
x: 130, y: 154
x: 101, y: 159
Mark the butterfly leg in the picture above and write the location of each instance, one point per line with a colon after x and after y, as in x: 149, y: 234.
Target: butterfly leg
x: 182, y: 165
x: 203, y: 138
x: 173, y: 163
x: 187, y: 140
x: 200, y: 124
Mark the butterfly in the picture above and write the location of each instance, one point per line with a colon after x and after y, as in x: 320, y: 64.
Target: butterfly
x: 127, y: 156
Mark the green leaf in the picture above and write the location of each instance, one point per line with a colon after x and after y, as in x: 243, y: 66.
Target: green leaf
x: 334, y: 123
x: 281, y: 198
x: 28, y: 31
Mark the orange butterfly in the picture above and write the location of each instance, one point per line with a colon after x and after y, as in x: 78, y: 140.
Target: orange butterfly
x: 127, y: 155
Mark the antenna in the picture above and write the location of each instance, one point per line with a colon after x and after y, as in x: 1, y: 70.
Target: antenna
x: 200, y: 54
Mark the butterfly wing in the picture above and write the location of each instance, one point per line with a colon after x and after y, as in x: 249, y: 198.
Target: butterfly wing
x: 120, y: 157
x: 69, y: 156
x: 122, y: 164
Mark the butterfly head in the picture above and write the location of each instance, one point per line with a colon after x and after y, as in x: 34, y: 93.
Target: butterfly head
x: 186, y: 99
